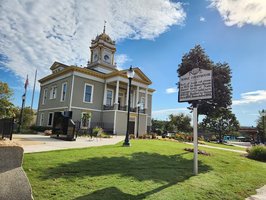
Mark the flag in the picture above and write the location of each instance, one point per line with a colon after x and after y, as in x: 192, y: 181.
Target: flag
x: 26, y: 83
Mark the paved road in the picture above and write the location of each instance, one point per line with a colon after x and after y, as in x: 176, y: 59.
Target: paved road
x: 39, y: 143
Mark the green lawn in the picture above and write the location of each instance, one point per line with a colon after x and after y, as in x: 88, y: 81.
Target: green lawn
x: 149, y: 169
x: 225, y: 146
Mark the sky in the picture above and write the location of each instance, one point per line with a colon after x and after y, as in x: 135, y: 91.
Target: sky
x: 150, y: 34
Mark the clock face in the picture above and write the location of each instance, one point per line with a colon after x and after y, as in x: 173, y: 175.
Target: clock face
x: 95, y: 57
x: 106, y: 58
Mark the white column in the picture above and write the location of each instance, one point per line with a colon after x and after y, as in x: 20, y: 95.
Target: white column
x: 117, y: 92
x: 146, y: 98
x: 127, y: 95
x: 104, y: 94
x: 137, y: 95
x: 71, y: 92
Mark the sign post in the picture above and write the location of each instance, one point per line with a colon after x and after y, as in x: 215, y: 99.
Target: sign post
x: 195, y: 85
x: 195, y: 137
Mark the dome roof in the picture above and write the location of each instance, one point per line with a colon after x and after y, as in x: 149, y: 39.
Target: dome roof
x: 103, y: 37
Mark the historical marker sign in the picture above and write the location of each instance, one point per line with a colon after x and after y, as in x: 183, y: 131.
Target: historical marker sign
x: 195, y: 85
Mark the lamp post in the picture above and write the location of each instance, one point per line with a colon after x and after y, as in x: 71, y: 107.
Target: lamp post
x: 130, y: 75
x: 263, y: 114
x: 138, y: 105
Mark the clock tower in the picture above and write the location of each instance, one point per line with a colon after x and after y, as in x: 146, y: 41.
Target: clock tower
x: 102, y: 53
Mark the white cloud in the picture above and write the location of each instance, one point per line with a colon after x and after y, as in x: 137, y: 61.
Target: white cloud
x: 121, y: 59
x: 34, y: 34
x: 241, y: 12
x: 171, y: 90
x: 202, y: 19
x: 164, y: 113
x: 251, y: 97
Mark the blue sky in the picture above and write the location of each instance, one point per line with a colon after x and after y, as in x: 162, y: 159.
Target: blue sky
x: 152, y: 35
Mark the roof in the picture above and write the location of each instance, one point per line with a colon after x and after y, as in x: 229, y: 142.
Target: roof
x: 122, y: 73
x: 104, y: 37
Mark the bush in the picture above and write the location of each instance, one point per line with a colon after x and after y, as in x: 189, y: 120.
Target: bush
x: 97, y: 131
x: 257, y: 153
x: 104, y: 135
x: 40, y: 128
x: 131, y: 136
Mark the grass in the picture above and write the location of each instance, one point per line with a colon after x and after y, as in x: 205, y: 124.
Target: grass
x: 225, y: 146
x: 149, y: 169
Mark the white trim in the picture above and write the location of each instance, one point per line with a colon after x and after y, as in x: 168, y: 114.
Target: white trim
x: 117, y: 92
x: 41, y: 118
x: 62, y: 89
x: 92, y: 88
x: 71, y: 92
x: 146, y: 98
x: 51, y: 119
x: 114, y: 131
x: 112, y: 96
x: 137, y: 98
x: 56, y: 79
x: 104, y: 93
x: 126, y: 103
x: 125, y: 80
x: 89, y: 77
x: 44, y: 97
x: 58, y: 108
x: 90, y: 109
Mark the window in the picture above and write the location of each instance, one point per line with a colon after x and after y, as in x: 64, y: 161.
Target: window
x: 109, y: 97
x: 41, y: 119
x: 63, y: 92
x: 53, y: 92
x: 44, y: 97
x: 50, y: 119
x: 142, y: 101
x: 85, y: 120
x: 88, y: 93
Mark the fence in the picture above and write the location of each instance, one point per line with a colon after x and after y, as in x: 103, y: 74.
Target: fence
x: 6, y: 127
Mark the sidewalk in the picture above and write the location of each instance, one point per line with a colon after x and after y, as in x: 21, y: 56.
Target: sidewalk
x: 40, y: 143
x: 220, y: 148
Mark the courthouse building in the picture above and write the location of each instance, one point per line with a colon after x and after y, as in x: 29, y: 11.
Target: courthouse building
x: 99, y: 91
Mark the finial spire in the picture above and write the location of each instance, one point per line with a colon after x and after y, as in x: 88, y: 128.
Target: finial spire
x: 104, y: 26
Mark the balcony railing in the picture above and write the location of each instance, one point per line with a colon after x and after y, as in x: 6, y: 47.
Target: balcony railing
x: 124, y: 108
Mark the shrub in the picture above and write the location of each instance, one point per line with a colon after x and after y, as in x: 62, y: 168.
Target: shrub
x: 131, y: 136
x: 40, y: 128
x: 257, y: 153
x: 104, y: 135
x: 96, y: 131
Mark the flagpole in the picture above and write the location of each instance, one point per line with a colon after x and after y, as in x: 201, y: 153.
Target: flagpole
x: 23, y: 104
x: 33, y: 90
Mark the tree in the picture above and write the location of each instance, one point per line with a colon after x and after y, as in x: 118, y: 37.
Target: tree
x: 221, y: 122
x: 28, y: 116
x: 261, y: 126
x: 197, y: 58
x: 180, y: 122
x: 158, y: 126
x: 7, y: 109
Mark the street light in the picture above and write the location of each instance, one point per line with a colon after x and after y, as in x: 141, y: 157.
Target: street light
x: 130, y: 75
x: 139, y: 105
x: 263, y: 114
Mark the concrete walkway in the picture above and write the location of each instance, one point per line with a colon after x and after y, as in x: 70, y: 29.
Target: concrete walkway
x: 220, y: 148
x: 41, y: 143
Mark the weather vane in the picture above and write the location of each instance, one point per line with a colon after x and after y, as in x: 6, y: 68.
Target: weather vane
x: 104, y: 26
